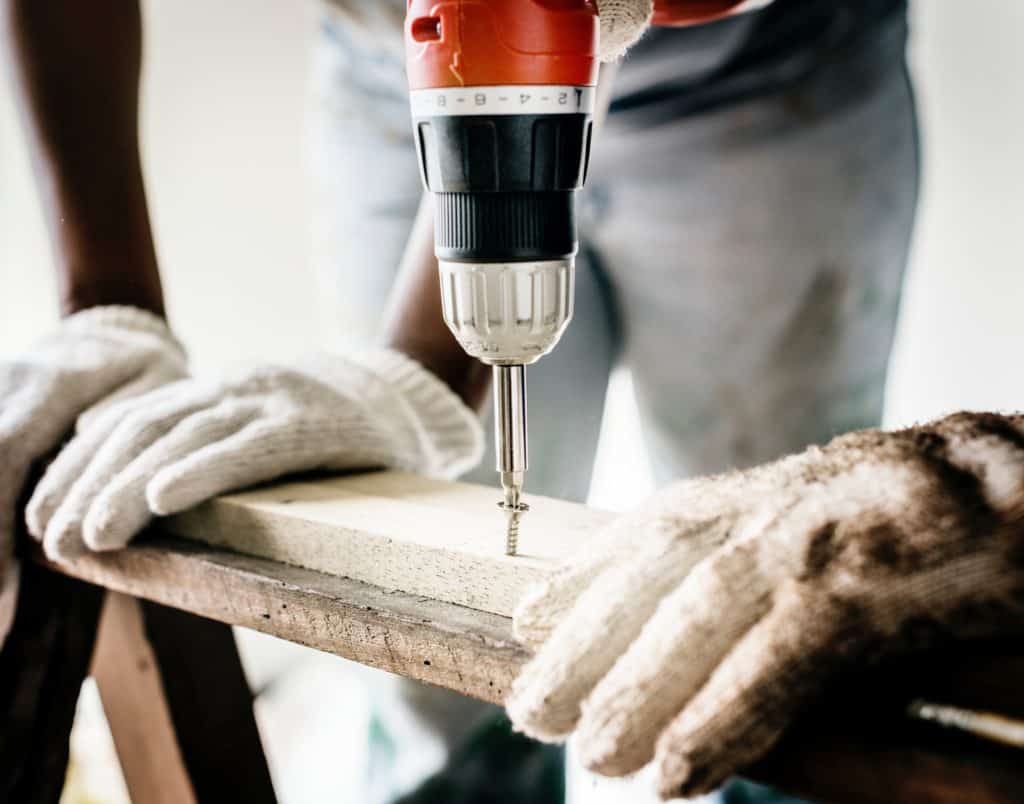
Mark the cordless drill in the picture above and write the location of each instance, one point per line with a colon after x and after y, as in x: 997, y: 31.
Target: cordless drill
x: 502, y: 95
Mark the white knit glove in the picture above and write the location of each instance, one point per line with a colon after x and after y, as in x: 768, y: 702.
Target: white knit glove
x: 187, y: 442
x: 95, y: 358
x: 697, y: 629
x: 623, y: 22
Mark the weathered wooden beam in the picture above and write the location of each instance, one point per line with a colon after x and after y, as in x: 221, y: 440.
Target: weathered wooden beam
x: 432, y: 538
x: 469, y: 651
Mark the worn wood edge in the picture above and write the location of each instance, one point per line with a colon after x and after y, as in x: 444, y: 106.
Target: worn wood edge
x: 464, y: 650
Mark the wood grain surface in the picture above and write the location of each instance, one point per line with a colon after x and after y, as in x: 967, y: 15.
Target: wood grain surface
x: 433, y: 538
x: 128, y: 678
x: 469, y: 651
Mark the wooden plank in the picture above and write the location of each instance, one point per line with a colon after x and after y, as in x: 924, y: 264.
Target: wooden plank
x: 179, y: 706
x: 855, y: 747
x: 468, y: 651
x: 132, y: 692
x: 433, y: 538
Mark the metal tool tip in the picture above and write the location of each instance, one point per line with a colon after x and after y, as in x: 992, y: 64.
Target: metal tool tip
x: 514, y: 513
x: 514, y: 509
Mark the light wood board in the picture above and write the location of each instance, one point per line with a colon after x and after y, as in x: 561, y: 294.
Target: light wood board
x: 397, y: 531
x: 128, y: 677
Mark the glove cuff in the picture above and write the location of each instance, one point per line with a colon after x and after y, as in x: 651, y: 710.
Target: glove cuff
x: 122, y: 317
x: 450, y: 437
x: 623, y: 22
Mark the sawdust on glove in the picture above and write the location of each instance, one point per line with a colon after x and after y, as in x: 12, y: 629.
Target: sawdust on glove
x: 189, y: 441
x: 623, y: 22
x: 699, y: 626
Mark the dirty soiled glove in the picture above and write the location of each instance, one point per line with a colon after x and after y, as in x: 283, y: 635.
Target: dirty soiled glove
x: 187, y: 442
x: 623, y: 22
x: 700, y: 625
x: 94, y: 359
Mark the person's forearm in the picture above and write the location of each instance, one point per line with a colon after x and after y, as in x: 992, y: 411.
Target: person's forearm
x: 413, y: 323
x: 76, y: 69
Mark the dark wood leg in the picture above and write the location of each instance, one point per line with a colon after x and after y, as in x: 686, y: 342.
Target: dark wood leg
x: 860, y: 746
x: 210, y: 705
x: 42, y: 665
x: 47, y: 656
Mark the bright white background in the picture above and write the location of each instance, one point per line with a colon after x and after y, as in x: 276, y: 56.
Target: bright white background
x: 225, y: 105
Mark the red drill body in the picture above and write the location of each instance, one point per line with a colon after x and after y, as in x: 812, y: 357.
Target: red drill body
x: 471, y: 43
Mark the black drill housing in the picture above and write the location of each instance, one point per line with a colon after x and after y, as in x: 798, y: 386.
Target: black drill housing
x: 504, y: 184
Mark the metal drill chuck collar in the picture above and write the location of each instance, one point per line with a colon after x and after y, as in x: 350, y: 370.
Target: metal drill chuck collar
x: 507, y: 313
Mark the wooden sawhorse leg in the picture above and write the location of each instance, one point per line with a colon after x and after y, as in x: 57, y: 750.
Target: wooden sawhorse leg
x: 172, y: 685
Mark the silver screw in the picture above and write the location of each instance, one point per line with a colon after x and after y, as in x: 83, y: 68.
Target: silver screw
x: 513, y: 512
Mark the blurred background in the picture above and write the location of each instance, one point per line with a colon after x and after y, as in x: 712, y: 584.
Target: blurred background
x: 226, y: 105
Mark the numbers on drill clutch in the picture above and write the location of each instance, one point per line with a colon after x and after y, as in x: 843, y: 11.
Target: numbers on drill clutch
x: 502, y: 100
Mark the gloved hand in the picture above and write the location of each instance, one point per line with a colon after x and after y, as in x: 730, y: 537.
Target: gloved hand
x: 94, y: 359
x: 623, y: 22
x: 700, y: 625
x: 187, y: 442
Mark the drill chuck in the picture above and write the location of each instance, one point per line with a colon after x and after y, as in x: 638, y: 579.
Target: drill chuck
x: 504, y: 164
x: 507, y: 313
x: 502, y: 95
